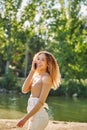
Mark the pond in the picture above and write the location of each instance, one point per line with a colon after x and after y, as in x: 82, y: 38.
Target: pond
x: 60, y: 108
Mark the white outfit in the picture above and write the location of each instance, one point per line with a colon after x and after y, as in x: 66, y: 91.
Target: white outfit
x: 40, y: 120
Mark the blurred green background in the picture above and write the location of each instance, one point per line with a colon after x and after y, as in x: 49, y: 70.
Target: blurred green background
x: 58, y: 26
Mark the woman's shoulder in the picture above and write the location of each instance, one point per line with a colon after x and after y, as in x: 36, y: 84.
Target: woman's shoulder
x: 46, y: 78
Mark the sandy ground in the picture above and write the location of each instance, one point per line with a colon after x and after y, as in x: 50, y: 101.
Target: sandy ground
x: 6, y: 124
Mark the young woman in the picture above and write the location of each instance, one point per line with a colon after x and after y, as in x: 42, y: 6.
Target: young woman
x: 43, y: 76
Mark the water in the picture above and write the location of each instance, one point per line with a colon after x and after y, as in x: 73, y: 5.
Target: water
x: 60, y: 108
x: 68, y: 109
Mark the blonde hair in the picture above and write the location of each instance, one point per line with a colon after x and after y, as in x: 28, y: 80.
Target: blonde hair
x: 52, y: 69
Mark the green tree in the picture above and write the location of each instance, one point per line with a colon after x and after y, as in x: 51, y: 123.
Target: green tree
x: 50, y: 25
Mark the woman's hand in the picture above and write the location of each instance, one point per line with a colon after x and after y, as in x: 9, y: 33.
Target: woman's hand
x: 34, y: 65
x: 21, y: 123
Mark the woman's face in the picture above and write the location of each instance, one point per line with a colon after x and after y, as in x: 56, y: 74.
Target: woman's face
x: 41, y: 62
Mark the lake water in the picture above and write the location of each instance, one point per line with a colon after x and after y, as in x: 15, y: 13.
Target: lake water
x: 60, y: 108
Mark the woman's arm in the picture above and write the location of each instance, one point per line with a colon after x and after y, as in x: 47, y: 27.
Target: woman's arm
x: 46, y: 86
x: 27, y: 83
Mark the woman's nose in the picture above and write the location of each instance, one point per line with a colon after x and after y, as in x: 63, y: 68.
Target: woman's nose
x: 39, y: 61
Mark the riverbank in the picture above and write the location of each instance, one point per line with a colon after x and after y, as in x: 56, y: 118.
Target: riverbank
x: 6, y: 124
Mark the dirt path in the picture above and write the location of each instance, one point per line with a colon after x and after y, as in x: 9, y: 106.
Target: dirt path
x: 6, y: 124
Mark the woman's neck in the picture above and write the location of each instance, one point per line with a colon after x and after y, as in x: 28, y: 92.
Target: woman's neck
x: 41, y: 72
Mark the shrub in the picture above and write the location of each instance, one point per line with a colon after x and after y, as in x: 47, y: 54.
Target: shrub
x: 9, y: 81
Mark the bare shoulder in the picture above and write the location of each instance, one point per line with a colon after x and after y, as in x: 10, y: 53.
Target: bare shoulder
x: 46, y: 79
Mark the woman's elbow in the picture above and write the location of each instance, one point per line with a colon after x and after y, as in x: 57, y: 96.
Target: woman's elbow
x: 25, y: 90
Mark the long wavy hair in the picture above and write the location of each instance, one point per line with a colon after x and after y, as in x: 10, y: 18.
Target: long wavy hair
x: 52, y: 68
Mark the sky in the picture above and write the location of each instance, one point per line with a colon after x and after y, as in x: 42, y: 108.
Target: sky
x: 84, y: 10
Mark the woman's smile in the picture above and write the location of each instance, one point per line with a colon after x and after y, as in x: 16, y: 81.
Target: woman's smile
x: 41, y: 62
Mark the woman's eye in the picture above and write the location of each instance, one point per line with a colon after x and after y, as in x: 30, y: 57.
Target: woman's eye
x: 38, y: 59
x: 41, y: 59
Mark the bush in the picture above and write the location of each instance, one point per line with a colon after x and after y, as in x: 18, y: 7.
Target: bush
x: 72, y: 87
x: 9, y: 82
x: 83, y: 91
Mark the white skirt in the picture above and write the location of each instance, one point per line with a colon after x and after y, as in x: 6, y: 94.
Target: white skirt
x: 40, y: 120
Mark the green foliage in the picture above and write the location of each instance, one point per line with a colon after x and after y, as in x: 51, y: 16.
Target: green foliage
x: 9, y: 82
x: 61, y: 30
x: 73, y: 88
x: 83, y: 91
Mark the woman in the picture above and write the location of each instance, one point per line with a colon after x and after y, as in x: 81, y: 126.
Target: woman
x: 43, y: 76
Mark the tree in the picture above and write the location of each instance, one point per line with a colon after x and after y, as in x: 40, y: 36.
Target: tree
x: 55, y: 26
x: 67, y: 42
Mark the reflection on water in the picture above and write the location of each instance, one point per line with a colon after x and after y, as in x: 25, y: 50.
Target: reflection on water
x: 68, y: 109
x: 12, y: 106
x: 60, y: 108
